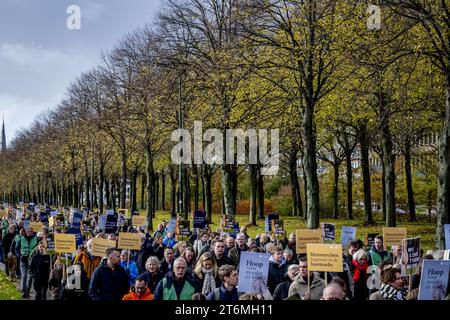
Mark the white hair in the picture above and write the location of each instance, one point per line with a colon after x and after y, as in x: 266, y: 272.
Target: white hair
x: 359, y: 254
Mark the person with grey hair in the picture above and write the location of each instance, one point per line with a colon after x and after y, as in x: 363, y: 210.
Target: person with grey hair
x: 152, y: 275
x: 360, y: 275
x: 282, y: 290
x: 235, y: 253
x: 177, y: 284
x: 129, y: 266
x: 288, y: 256
x: 333, y: 292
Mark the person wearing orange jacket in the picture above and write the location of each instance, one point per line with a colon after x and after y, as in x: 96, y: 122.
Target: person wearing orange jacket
x: 139, y: 291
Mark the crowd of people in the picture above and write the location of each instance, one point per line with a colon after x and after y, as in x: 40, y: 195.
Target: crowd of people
x: 204, y: 266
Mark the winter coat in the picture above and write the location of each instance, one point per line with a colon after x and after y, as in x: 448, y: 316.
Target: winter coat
x: 277, y: 273
x: 152, y: 280
x: 6, y: 243
x: 89, y: 262
x: 158, y: 251
x: 144, y: 253
x: 77, y: 294
x: 169, y: 289
x: 235, y: 254
x: 131, y: 270
x: 133, y: 295
x: 300, y: 286
x: 55, y: 282
x: 222, y: 261
x: 281, y: 291
x: 375, y: 256
x: 169, y: 242
x: 108, y: 284
x: 223, y: 294
x: 40, y: 268
x: 165, y: 267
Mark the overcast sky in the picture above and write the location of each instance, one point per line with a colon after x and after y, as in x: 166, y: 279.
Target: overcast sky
x: 40, y: 56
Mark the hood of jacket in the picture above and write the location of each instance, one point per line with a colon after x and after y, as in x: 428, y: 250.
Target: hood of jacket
x: 283, y: 261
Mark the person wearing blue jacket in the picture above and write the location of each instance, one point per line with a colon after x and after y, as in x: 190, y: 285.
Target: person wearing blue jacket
x: 109, y: 281
x: 169, y: 240
x: 129, y: 266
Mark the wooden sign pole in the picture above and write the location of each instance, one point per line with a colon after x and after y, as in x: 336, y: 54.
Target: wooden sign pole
x: 128, y: 261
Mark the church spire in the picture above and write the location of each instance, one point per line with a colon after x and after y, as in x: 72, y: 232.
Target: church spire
x: 3, y: 135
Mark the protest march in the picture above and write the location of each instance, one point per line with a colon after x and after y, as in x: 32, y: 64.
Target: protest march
x: 74, y: 254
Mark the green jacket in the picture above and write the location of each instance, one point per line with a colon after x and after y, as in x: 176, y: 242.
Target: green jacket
x: 26, y: 247
x: 170, y: 293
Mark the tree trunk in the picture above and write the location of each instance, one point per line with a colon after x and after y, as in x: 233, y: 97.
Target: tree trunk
x: 173, y: 192
x: 123, y: 187
x: 389, y: 160
x: 108, y: 193
x: 261, y: 206
x: 228, y: 191
x: 364, y: 145
x: 87, y: 183
x: 349, y: 173
x: 133, y: 198
x: 101, y: 177
x: 309, y: 160
x: 383, y: 188
x: 305, y: 189
x: 295, y: 185
x: 143, y: 181
x: 409, y: 185
x: 253, y: 168
x: 206, y: 177
x: 163, y: 190
x: 157, y: 176
x: 336, y: 191
x: 196, y: 186
x: 150, y: 174
x: 113, y: 194
x: 443, y: 207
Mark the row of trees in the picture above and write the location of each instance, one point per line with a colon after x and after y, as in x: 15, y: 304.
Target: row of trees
x: 310, y: 68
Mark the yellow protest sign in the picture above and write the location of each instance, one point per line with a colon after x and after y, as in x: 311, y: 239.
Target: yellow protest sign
x: 99, y: 246
x: 393, y: 236
x: 37, y: 226
x: 129, y: 241
x: 51, y: 222
x: 324, y: 257
x: 65, y: 243
x: 139, y: 220
x: 125, y: 212
x: 305, y: 236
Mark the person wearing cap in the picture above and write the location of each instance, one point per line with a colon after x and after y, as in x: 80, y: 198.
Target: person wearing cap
x: 282, y: 290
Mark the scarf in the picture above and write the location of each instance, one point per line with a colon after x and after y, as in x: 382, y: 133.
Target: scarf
x: 390, y: 293
x: 358, y: 269
x: 209, y: 283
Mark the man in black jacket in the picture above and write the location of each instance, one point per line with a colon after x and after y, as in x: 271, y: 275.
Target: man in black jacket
x: 40, y: 271
x: 109, y: 281
x: 219, y: 253
x: 7, y: 242
x: 277, y: 269
x: 144, y: 253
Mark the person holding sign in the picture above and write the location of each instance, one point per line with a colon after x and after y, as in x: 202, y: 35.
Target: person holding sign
x: 109, y: 281
x: 377, y: 252
x: 129, y: 266
x: 169, y: 241
x: 307, y: 285
x: 176, y: 285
